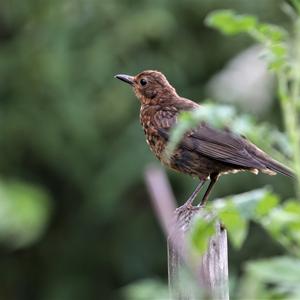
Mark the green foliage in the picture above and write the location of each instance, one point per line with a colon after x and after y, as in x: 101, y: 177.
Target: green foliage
x: 201, y: 232
x: 24, y: 213
x: 272, y: 37
x: 281, y: 267
x: 237, y: 226
x: 283, y: 224
x: 230, y: 23
x: 296, y: 4
x: 280, y: 221
x: 235, y: 213
x: 146, y: 289
x: 282, y: 56
x: 266, y: 204
x: 275, y: 278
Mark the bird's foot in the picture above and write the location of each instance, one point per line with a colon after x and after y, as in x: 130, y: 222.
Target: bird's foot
x: 186, y: 207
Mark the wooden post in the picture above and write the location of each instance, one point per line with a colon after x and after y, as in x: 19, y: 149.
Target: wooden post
x: 210, y: 272
x: 207, y: 277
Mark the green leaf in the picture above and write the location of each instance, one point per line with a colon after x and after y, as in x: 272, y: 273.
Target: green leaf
x: 275, y: 54
x: 284, y: 227
x: 202, y: 230
x: 276, y: 270
x: 185, y: 123
x: 236, y: 225
x: 24, y: 213
x: 292, y: 206
x: 236, y: 211
x: 268, y: 202
x: 244, y: 203
x: 271, y: 32
x: 146, y: 289
x: 230, y: 23
x: 275, y: 278
x: 271, y: 36
x: 296, y: 3
x: 279, y: 50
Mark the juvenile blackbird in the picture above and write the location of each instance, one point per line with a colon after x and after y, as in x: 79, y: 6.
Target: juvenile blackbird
x: 203, y: 152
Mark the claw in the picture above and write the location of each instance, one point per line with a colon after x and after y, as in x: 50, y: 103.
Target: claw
x: 185, y: 207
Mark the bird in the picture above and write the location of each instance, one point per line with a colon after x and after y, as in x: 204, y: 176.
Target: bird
x: 204, y: 152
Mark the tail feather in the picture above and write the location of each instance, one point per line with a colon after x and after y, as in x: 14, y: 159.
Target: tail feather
x: 271, y: 165
x: 278, y: 168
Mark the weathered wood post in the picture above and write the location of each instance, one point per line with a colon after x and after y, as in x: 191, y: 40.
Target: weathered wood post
x: 209, y: 273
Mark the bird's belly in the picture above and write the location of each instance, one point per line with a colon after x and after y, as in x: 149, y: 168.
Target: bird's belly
x: 190, y: 163
x: 180, y: 161
x: 157, y: 146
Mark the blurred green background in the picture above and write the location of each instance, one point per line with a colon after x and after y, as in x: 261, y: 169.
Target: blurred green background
x: 76, y: 221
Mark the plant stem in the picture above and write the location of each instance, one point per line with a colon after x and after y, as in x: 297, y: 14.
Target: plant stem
x: 289, y: 94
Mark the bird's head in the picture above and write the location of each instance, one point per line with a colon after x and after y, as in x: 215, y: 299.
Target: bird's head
x: 151, y: 87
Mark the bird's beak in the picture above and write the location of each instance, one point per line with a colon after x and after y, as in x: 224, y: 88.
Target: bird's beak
x: 125, y: 78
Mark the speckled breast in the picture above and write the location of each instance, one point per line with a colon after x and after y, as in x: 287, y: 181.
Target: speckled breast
x: 154, y: 140
x: 182, y: 160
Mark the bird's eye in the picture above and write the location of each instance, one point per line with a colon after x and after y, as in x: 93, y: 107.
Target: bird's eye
x: 143, y: 81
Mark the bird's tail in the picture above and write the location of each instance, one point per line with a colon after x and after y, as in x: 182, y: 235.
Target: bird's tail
x: 277, y: 167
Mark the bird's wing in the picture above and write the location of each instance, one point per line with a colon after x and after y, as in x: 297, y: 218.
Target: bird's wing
x: 220, y: 145
x: 228, y: 147
x: 223, y: 146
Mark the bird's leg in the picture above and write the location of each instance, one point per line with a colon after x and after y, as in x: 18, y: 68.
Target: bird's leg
x: 213, y: 180
x: 189, y: 202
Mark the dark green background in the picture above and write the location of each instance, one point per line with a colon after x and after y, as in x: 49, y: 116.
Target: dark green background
x: 68, y: 127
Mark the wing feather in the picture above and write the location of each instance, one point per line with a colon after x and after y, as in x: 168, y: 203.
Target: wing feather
x: 219, y: 145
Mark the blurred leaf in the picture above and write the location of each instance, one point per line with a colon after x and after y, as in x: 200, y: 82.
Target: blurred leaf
x: 146, y: 289
x: 274, y: 278
x: 271, y: 32
x: 246, y: 203
x: 279, y: 270
x: 271, y: 36
x: 230, y: 23
x: 235, y: 224
x: 268, y: 202
x: 235, y: 212
x: 24, y: 213
x: 296, y: 3
x: 202, y: 230
x: 186, y: 121
x: 292, y: 206
x: 284, y: 226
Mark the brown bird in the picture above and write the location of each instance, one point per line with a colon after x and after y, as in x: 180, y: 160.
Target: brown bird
x: 203, y: 152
